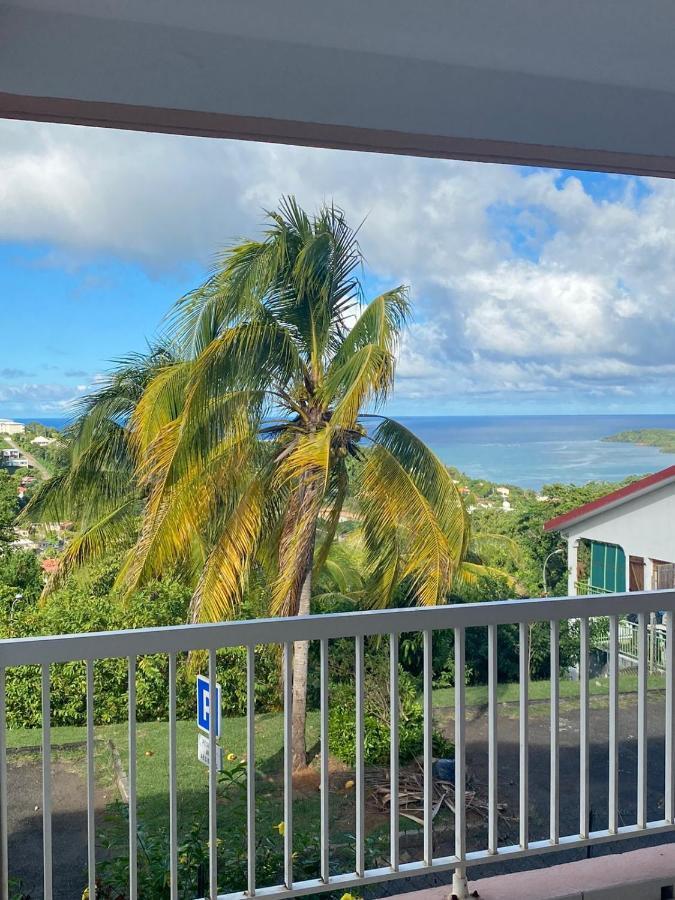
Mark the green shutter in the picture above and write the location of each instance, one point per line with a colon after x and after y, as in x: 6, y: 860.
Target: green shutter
x: 608, y: 568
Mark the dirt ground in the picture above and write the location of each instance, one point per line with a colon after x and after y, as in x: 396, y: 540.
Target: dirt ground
x: 69, y: 798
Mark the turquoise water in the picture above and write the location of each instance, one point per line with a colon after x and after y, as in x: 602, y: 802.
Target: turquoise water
x: 531, y: 451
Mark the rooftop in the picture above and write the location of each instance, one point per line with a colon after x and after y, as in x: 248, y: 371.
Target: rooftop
x: 614, y: 498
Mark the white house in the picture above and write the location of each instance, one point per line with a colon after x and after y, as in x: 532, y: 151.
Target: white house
x: 42, y: 441
x: 7, y: 426
x: 629, y: 538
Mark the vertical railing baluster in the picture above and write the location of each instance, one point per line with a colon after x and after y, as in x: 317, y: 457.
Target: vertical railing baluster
x: 669, y: 802
x: 325, y: 762
x: 250, y: 767
x: 394, y: 856
x: 613, y: 660
x: 460, y: 752
x: 214, y: 716
x: 46, y: 785
x: 173, y: 782
x: 584, y: 737
x: 554, y: 804
x: 493, y: 819
x: 428, y: 751
x: 360, y: 758
x: 524, y: 672
x: 4, y: 848
x: 133, y: 829
x: 288, y: 765
x: 325, y: 772
x: 91, y: 783
x: 642, y: 722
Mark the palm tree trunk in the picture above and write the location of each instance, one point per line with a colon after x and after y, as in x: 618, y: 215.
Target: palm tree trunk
x: 300, y: 665
x: 297, y: 550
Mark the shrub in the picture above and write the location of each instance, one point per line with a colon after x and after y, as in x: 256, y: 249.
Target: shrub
x: 20, y: 573
x: 193, y: 849
x: 342, y: 720
x: 89, y: 608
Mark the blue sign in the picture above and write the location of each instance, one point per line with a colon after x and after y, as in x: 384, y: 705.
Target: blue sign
x: 204, y: 705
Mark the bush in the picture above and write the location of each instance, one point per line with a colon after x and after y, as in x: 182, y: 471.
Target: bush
x: 87, y: 608
x: 20, y: 573
x: 342, y: 720
x: 508, y: 646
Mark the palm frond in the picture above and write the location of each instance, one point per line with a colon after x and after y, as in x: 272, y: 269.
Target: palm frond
x: 340, y: 478
x: 108, y: 533
x: 224, y: 577
x: 405, y: 487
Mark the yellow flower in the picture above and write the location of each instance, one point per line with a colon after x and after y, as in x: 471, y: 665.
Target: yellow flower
x: 281, y: 827
x: 348, y: 786
x: 231, y: 757
x: 349, y: 897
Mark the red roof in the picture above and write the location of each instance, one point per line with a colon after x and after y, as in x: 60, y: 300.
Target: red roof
x: 614, y: 498
x: 49, y: 565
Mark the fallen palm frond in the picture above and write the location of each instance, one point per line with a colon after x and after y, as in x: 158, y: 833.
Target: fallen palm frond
x: 411, y: 796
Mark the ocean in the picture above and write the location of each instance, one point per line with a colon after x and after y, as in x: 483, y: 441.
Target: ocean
x: 530, y: 451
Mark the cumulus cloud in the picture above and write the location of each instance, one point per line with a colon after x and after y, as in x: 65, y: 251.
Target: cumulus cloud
x: 57, y: 399
x: 525, y: 283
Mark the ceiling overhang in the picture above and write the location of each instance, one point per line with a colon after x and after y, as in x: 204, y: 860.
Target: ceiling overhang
x: 574, y: 84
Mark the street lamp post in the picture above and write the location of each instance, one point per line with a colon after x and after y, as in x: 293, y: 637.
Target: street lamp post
x: 553, y: 553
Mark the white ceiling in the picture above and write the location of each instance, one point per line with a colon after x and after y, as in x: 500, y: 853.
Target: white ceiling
x: 580, y: 82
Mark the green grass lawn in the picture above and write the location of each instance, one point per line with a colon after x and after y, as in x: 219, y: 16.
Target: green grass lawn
x: 152, y: 743
x: 477, y: 695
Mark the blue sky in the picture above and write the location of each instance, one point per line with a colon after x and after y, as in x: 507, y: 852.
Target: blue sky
x: 533, y: 290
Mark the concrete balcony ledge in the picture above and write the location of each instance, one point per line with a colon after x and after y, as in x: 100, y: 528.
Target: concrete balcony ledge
x: 647, y: 874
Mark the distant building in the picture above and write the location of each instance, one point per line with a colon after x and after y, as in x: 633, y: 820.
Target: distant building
x: 49, y: 566
x: 506, y: 506
x: 503, y: 491
x: 12, y: 459
x: 7, y: 426
x: 629, y: 538
x: 42, y: 441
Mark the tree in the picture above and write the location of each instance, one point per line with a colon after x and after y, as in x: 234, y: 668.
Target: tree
x: 9, y: 507
x: 236, y: 450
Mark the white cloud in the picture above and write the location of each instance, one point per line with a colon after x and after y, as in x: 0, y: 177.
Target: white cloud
x: 522, y: 285
x: 34, y: 397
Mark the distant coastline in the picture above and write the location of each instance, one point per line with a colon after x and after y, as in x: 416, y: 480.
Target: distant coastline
x: 661, y: 438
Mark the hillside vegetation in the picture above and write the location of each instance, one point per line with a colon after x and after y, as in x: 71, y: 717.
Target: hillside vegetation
x: 662, y: 438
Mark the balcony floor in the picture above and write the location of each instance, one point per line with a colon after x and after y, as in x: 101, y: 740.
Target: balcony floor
x: 636, y: 875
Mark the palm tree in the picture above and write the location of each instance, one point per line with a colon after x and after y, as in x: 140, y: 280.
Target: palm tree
x: 246, y: 442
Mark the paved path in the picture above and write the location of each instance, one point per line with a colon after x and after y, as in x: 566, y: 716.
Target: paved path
x: 29, y: 456
x: 69, y: 824
x: 539, y: 767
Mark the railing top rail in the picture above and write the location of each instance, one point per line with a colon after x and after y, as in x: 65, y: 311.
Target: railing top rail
x: 181, y: 638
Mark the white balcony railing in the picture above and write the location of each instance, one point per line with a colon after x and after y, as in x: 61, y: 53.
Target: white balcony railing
x: 173, y: 641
